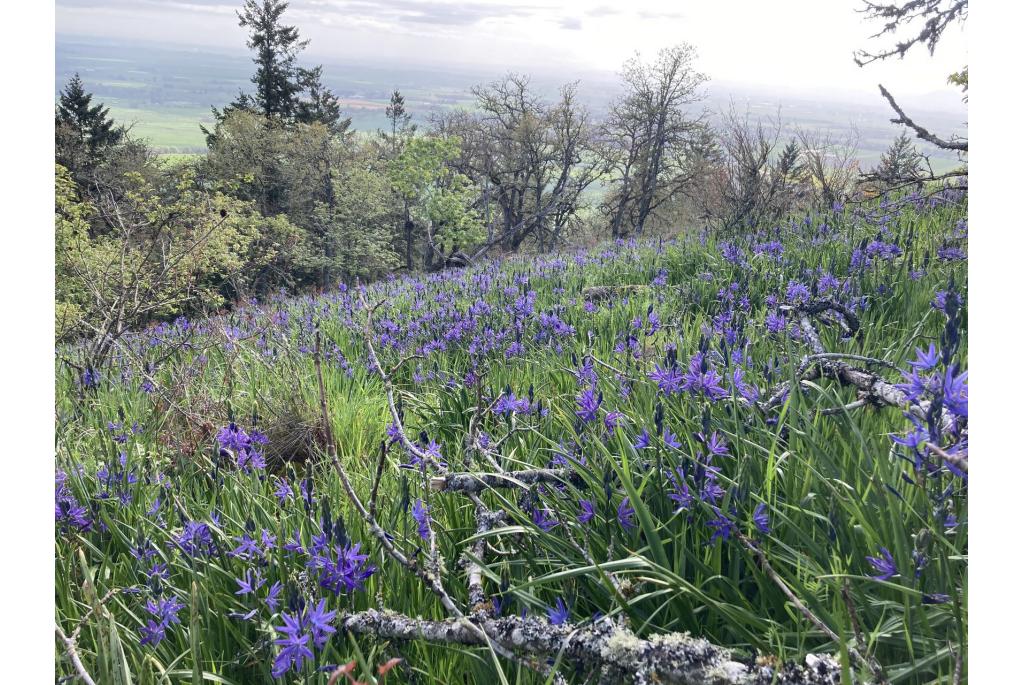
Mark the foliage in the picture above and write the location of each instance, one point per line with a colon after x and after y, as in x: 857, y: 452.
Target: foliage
x: 164, y: 252
x: 438, y: 197
x: 355, y: 230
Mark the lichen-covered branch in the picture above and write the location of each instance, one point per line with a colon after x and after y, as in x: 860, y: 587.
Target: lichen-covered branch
x: 478, y: 482
x: 921, y: 131
x: 72, y: 652
x: 619, y: 654
x: 873, y: 388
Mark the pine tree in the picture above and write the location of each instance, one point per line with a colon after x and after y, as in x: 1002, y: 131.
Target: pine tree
x: 276, y: 46
x: 399, y: 118
x: 284, y: 91
x: 83, y: 131
x: 320, y: 105
x: 901, y: 164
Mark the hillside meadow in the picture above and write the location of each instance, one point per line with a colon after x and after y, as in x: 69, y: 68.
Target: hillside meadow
x: 755, y: 438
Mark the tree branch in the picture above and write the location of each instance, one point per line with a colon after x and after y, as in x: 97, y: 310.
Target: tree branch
x: 921, y: 131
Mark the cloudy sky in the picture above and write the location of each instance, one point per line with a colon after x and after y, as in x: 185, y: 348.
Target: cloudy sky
x: 805, y: 44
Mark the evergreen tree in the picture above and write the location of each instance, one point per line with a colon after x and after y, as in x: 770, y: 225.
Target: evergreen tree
x: 320, y: 105
x: 901, y: 164
x: 83, y: 131
x: 276, y: 46
x: 280, y: 82
x: 399, y: 119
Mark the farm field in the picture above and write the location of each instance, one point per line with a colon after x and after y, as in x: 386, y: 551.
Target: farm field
x: 534, y: 470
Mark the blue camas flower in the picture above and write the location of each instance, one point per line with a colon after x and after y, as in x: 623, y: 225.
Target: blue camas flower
x: 559, y: 613
x: 589, y: 402
x: 542, y: 518
x: 422, y: 518
x: 164, y: 613
x: 760, y: 518
x: 586, y: 511
x: 884, y: 564
x: 294, y: 645
x: 625, y: 514
x: 342, y: 569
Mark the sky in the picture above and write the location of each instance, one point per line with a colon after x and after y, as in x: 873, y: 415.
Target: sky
x: 799, y: 44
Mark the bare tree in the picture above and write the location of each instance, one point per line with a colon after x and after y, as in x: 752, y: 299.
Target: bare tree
x: 529, y: 156
x: 831, y: 164
x: 747, y: 178
x: 649, y: 137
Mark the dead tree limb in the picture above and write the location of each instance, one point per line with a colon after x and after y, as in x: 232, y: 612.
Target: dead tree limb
x: 873, y: 388
x: 72, y: 652
x: 621, y: 656
x: 467, y: 483
x: 921, y: 131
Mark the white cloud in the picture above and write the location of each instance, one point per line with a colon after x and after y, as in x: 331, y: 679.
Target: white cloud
x: 805, y: 44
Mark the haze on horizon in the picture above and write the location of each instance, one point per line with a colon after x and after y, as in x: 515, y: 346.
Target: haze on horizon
x: 795, y: 44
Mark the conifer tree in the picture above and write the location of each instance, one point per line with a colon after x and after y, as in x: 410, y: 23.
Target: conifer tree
x: 276, y: 46
x: 280, y: 82
x: 900, y: 164
x: 320, y: 105
x: 84, y: 131
x: 399, y: 119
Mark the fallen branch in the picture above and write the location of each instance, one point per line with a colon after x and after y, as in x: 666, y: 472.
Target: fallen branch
x: 622, y: 656
x: 478, y: 482
x: 802, y: 608
x: 824, y: 364
x: 72, y: 652
x: 485, y: 521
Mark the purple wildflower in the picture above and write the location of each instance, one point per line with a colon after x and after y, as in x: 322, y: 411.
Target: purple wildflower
x: 669, y: 379
x: 760, y: 518
x: 542, y: 519
x: 589, y: 402
x: 294, y: 650
x: 559, y: 613
x: 422, y: 518
x: 625, y: 514
x: 884, y: 564
x: 586, y: 511
x: 274, y: 595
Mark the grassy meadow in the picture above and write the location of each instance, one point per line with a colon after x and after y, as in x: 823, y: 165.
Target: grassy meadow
x: 197, y: 515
